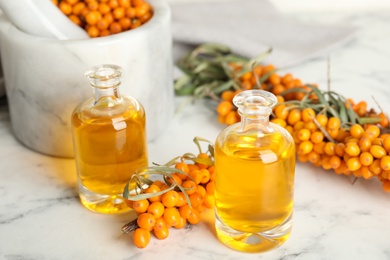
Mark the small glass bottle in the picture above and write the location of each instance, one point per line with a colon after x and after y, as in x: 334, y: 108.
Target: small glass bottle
x: 254, y: 181
x: 109, y: 140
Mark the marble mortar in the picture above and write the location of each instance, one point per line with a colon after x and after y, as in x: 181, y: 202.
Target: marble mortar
x: 44, y: 78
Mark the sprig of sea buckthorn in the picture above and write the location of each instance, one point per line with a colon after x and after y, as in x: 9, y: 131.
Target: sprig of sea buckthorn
x: 172, y: 195
x: 323, y: 123
x: 330, y: 131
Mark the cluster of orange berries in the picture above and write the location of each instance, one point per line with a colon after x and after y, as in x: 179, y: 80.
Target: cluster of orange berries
x: 105, y: 17
x: 227, y: 113
x: 175, y: 208
x: 359, y: 150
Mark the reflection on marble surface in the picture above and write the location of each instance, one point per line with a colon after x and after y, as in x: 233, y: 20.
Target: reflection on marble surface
x: 41, y: 217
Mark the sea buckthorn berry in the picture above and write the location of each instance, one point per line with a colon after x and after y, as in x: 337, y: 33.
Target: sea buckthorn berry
x: 182, y: 223
x: 298, y: 125
x: 281, y: 111
x: 280, y: 98
x: 156, y: 209
x: 115, y: 27
x: 317, y: 137
x: 385, y: 163
x: 341, y: 168
x: 386, y: 143
x: 325, y: 163
x: 209, y: 201
x: 210, y: 188
x: 339, y: 149
x: 375, y: 167
x: 354, y: 164
x: 333, y: 123
x: 153, y: 189
x: 161, y: 233
x: 351, y: 139
x: 170, y: 198
x: 196, y: 199
x: 182, y: 200
x: 311, y: 126
x: 377, y: 151
x: 140, y: 206
x: 274, y: 79
x: 360, y: 108
x: 227, y: 95
x: 365, y: 144
x: 205, y: 176
x: 160, y: 224
x: 278, y: 89
x: 196, y: 175
x: 322, y: 119
x: 201, y: 190
x: 304, y: 134
x: 185, y: 211
x: 384, y: 175
x: 335, y: 162
x: 141, y: 237
x: 308, y: 114
x: 294, y: 116
x: 356, y: 131
x: 366, y: 158
x: 171, y: 216
x: 231, y: 118
x: 384, y: 120
x: 194, y: 218
x: 303, y: 158
x: 146, y: 221
x: 377, y: 141
x: 175, y: 179
x: 319, y: 147
x: 372, y: 132
x: 305, y: 147
x: 203, y: 156
x: 333, y: 133
x: 183, y: 167
x: 386, y: 185
x: 224, y: 108
x: 329, y: 148
x: 313, y: 157
x: 366, y: 173
x: 189, y: 186
x: 342, y: 135
x: 352, y: 149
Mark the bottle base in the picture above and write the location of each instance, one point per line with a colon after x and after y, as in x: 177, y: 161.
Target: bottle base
x: 102, y: 203
x: 253, y: 242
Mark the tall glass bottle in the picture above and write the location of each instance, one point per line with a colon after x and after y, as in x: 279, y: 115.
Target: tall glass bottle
x: 109, y: 141
x: 254, y: 182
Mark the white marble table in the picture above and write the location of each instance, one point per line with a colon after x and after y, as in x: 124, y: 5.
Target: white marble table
x: 41, y: 217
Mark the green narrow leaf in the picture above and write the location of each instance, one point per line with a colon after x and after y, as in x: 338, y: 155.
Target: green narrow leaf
x: 320, y: 96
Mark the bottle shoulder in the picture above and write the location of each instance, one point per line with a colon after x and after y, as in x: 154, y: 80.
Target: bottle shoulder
x: 277, y: 139
x: 124, y: 107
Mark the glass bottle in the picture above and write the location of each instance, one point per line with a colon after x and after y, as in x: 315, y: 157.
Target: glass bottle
x: 254, y: 182
x: 109, y: 141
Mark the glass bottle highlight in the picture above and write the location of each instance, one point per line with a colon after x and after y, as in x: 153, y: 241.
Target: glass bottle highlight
x: 254, y: 183
x: 109, y: 140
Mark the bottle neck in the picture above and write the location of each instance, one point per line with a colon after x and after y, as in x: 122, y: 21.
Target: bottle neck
x: 259, y: 122
x: 105, y: 94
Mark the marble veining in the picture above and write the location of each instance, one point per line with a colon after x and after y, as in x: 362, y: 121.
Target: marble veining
x: 334, y: 217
